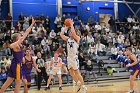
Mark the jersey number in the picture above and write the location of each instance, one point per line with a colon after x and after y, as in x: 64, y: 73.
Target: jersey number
x: 71, y: 44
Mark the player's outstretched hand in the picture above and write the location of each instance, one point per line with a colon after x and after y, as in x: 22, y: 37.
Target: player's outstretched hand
x: 71, y: 22
x: 33, y: 21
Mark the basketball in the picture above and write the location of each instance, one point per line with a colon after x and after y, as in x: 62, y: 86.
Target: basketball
x: 67, y: 22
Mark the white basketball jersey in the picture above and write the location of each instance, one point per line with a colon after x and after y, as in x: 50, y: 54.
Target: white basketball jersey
x: 72, y: 47
x: 55, y: 62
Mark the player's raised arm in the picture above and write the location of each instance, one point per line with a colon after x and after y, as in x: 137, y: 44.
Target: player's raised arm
x: 75, y: 36
x: 65, y: 38
x: 21, y: 39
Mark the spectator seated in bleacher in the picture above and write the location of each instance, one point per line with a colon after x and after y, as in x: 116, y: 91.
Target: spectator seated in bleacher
x: 98, y: 27
x: 81, y: 60
x: 35, y: 42
x: 25, y: 25
x: 127, y: 43
x: 129, y: 19
x: 58, y: 24
x: 2, y: 62
x: 100, y: 49
x: 92, y: 49
x: 44, y: 41
x: 52, y: 35
x: 114, y: 52
x: 7, y: 61
x: 83, y: 41
x: 89, y: 70
x: 37, y: 49
x: 6, y: 48
x: 46, y: 51
x: 135, y: 27
x: 3, y: 75
x: 120, y: 41
x: 120, y: 58
x: 89, y: 38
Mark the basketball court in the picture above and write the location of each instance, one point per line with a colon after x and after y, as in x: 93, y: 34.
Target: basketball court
x: 102, y: 87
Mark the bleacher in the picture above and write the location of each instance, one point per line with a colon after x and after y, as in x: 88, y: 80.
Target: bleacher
x: 120, y: 73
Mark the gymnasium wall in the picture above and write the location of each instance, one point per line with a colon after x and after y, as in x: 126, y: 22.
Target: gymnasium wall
x: 49, y: 7
x: 4, y: 9
x: 35, y: 7
x: 94, y: 7
x: 125, y: 12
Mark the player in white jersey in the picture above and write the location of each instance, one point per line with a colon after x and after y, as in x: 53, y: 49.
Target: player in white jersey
x: 56, y: 65
x: 72, y: 49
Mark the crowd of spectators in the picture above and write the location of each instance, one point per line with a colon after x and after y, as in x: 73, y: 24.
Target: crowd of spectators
x: 96, y: 39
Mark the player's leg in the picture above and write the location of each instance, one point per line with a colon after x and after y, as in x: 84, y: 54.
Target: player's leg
x: 132, y: 78
x: 71, y: 70
x: 17, y: 86
x: 48, y: 82
x: 134, y: 74
x: 78, y: 74
x: 80, y: 78
x: 18, y: 77
x: 72, y: 73
x: 6, y: 84
x: 49, y: 79
x: 25, y: 85
x: 60, y: 81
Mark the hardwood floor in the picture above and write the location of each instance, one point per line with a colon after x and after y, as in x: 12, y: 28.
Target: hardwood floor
x: 111, y: 87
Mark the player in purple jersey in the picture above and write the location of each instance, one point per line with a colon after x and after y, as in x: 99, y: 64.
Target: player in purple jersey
x: 18, y: 53
x: 136, y: 68
x: 27, y: 64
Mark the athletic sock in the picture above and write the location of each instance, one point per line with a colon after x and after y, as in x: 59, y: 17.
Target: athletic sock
x: 131, y: 90
x: 83, y: 86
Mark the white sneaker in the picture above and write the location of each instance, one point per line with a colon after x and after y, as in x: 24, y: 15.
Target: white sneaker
x: 79, y: 87
x: 84, y: 89
x: 130, y: 91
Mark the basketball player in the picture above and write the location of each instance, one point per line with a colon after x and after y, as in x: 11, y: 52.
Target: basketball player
x: 27, y: 64
x: 15, y: 68
x: 56, y: 65
x: 72, y: 49
x: 136, y: 68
